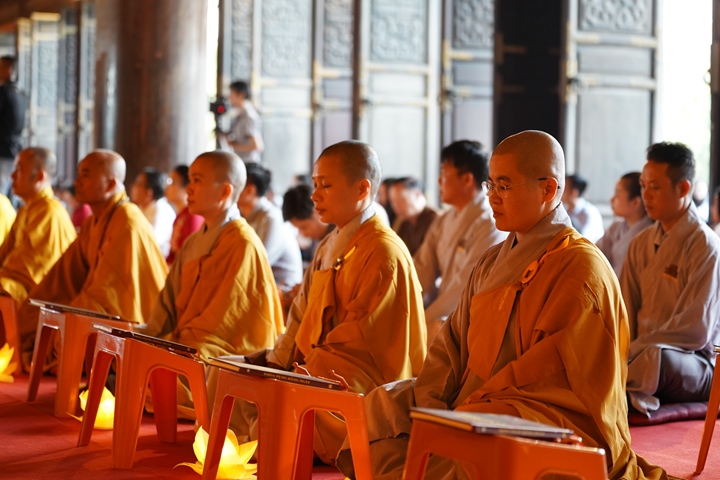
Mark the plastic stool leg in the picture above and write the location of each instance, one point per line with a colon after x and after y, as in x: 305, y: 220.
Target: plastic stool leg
x: 304, y: 451
x: 198, y: 389
x: 70, y: 363
x: 42, y: 343
x: 710, y: 419
x: 163, y: 385
x: 130, y: 390
x: 101, y: 367
x: 218, y: 430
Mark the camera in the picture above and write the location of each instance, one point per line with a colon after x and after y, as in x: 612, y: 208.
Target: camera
x: 219, y: 106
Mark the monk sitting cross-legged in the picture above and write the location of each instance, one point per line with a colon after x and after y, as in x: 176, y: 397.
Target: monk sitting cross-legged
x: 359, y: 311
x: 540, y: 331
x: 220, y: 296
x: 114, y: 266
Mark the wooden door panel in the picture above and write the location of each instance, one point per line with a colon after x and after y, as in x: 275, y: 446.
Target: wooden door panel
x: 67, y: 95
x: 609, y: 100
x: 396, y: 84
x: 467, y: 71
x: 43, y: 119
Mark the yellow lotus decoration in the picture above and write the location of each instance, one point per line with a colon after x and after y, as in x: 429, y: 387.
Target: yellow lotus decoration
x: 233, y: 460
x: 7, y: 366
x: 106, y: 409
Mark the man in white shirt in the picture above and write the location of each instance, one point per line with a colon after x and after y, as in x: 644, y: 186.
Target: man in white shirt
x: 670, y: 283
x: 244, y: 137
x: 457, y: 239
x: 585, y: 216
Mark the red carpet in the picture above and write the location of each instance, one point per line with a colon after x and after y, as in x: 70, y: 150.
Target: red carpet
x: 675, y: 446
x: 34, y: 444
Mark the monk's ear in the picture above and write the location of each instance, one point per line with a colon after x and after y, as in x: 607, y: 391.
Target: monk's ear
x: 549, y: 188
x: 227, y: 191
x: 364, y: 188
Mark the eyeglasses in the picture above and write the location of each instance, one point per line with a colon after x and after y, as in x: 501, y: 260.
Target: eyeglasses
x: 504, y: 190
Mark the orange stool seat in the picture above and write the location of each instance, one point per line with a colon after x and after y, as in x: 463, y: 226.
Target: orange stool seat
x: 9, y: 320
x: 286, y: 415
x: 710, y: 418
x: 138, y: 363
x: 499, y: 456
x: 77, y: 337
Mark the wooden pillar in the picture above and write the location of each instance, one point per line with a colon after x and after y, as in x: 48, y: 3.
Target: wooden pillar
x: 150, y: 95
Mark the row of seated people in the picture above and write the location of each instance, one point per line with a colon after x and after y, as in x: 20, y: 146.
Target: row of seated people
x: 534, y: 300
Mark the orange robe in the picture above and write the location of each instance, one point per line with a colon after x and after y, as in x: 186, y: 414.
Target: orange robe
x: 41, y: 233
x: 540, y: 332
x: 114, y: 266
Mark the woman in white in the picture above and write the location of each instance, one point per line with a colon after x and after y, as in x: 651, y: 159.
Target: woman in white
x: 626, y: 204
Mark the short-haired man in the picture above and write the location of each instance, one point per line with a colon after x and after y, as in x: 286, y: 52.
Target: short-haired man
x: 220, y: 296
x: 114, y: 266
x: 359, y: 311
x: 414, y: 217
x: 13, y: 108
x: 585, y: 217
x: 245, y: 136
x: 670, y: 283
x: 283, y: 251
x: 42, y: 230
x: 298, y: 209
x: 540, y: 331
x: 148, y: 193
x: 457, y: 239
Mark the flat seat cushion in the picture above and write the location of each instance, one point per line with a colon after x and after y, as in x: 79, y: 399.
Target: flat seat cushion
x: 671, y: 412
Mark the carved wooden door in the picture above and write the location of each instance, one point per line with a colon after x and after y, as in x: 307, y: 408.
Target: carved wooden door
x: 86, y: 80
x: 466, y: 82
x: 609, y: 82
x: 395, y: 107
x: 715, y: 99
x: 332, y: 73
x: 43, y: 86
x: 269, y: 44
x: 66, y: 150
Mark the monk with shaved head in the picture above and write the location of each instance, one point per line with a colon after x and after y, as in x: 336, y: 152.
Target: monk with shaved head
x: 220, y: 295
x: 359, y: 311
x: 42, y: 230
x: 115, y: 265
x: 540, y: 331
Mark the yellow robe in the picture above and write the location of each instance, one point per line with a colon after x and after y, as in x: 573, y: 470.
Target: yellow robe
x: 364, y: 319
x: 41, y: 233
x: 540, y: 332
x: 114, y: 266
x: 7, y: 217
x: 222, y: 298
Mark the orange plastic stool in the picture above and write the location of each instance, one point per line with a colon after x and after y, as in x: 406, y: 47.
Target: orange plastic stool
x: 286, y: 415
x: 9, y: 319
x: 710, y: 418
x: 138, y: 363
x: 77, y: 337
x: 499, y: 456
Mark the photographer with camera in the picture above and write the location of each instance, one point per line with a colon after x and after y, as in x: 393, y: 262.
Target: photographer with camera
x: 244, y: 137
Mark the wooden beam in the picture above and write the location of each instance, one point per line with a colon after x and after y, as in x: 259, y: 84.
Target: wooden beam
x: 11, y: 10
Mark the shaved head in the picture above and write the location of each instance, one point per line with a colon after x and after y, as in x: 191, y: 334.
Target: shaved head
x: 111, y: 163
x: 358, y: 161
x: 227, y: 167
x: 538, y: 155
x: 42, y: 159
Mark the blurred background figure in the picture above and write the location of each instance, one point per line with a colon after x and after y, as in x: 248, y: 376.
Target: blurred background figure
x: 78, y: 211
x: 148, y: 193
x: 185, y: 222
x: 13, y: 109
x: 413, y: 215
x: 701, y: 199
x: 7, y: 217
x: 299, y: 210
x: 628, y: 206
x: 383, y: 199
x: 585, y: 216
x: 715, y: 211
x: 283, y: 251
x: 245, y: 135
